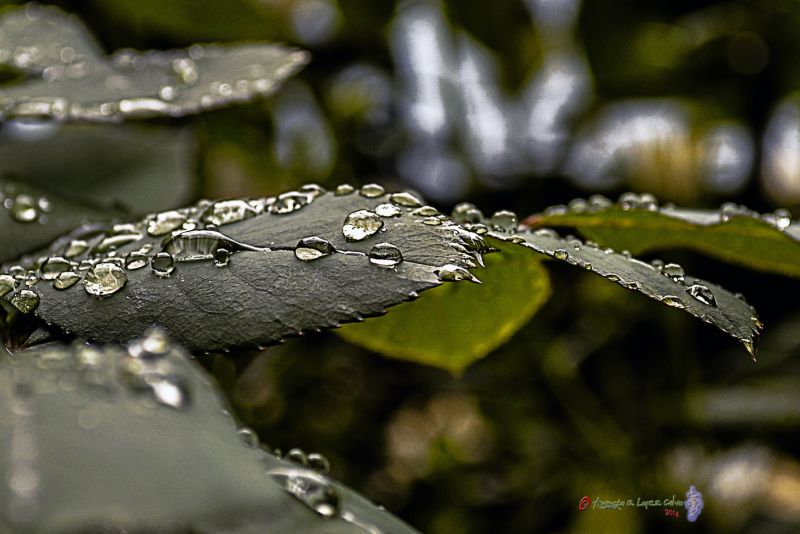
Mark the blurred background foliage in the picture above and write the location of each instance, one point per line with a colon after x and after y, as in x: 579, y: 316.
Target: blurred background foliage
x: 521, y: 104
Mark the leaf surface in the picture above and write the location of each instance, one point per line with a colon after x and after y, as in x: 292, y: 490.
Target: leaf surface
x: 138, y: 439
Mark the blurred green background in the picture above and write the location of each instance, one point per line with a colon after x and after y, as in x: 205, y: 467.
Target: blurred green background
x: 521, y: 104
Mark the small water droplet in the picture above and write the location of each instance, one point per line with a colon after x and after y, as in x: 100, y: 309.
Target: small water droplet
x: 371, y: 191
x: 297, y: 456
x: 289, y: 202
x: 312, y: 248
x: 454, y: 273
x: 504, y: 220
x: 165, y: 222
x: 66, y: 280
x: 385, y: 255
x: 361, y: 224
x: 7, y: 284
x: 675, y: 302
x: 54, y: 266
x: 24, y: 209
x: 222, y: 256
x: 674, y: 271
x: 425, y: 211
x: 318, y: 463
x: 228, y: 211
x: 25, y: 300
x: 431, y: 221
x: 75, y: 247
x: 163, y: 264
x: 560, y: 254
x: 546, y: 232
x: 405, y: 199
x: 388, y: 210
x: 310, y: 488
x: 577, y: 205
x: 154, y: 344
x: 104, y: 279
x: 135, y: 260
x: 703, y: 294
x: 169, y: 391
x: 598, y: 203
x: 613, y: 277
x: 248, y: 437
x: 558, y: 209
x: 344, y: 189
x: 466, y: 213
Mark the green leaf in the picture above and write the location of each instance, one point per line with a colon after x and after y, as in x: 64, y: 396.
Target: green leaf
x: 454, y: 325
x: 668, y: 284
x: 238, y: 277
x: 768, y: 242
x: 138, y: 439
x: 148, y: 84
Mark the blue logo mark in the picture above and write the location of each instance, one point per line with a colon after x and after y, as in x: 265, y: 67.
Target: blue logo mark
x: 693, y: 504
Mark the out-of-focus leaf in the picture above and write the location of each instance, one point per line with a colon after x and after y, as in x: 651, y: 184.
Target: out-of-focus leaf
x: 134, y: 170
x: 137, y: 439
x: 148, y: 84
x: 31, y: 219
x: 455, y: 325
x: 668, y: 284
x: 768, y: 242
x: 250, y: 273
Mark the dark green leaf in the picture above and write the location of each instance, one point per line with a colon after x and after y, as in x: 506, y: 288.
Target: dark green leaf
x: 263, y: 292
x: 768, y: 242
x: 137, y: 439
x: 148, y: 84
x: 454, y: 325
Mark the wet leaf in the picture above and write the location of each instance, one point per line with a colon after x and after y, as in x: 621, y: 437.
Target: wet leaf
x: 454, y: 325
x: 31, y: 219
x: 236, y: 273
x: 147, y: 84
x: 667, y: 284
x: 138, y: 439
x: 134, y: 169
x: 766, y: 242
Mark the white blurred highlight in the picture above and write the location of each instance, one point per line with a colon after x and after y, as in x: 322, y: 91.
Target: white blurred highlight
x: 781, y: 154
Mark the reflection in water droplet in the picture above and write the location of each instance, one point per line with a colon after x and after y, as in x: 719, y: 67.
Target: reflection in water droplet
x: 7, y: 284
x: 454, y: 273
x: 169, y: 391
x: 66, y: 280
x: 703, y: 294
x: 54, y: 266
x: 675, y: 302
x: 312, y: 248
x: 406, y: 199
x: 388, y: 210
x: 561, y: 254
x: 385, y: 255
x: 104, y: 279
x: 310, y: 488
x: 674, y: 271
x: 361, y: 224
x: 165, y: 222
x: 163, y: 264
x: 371, y: 190
x: 25, y: 300
x: 135, y: 260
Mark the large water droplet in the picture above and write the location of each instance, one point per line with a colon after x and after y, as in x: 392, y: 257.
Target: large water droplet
x: 372, y: 191
x: 312, y: 248
x: 136, y: 260
x: 361, y: 224
x: 454, y: 273
x: 466, y: 213
x: 104, y: 279
x: 385, y: 255
x: 7, y: 284
x: 66, y: 280
x: 504, y: 220
x: 54, y: 266
x: 228, y: 211
x: 165, y: 222
x: 702, y: 293
x: 163, y: 264
x: 310, y: 488
x: 196, y: 245
x: 406, y: 199
x: 25, y: 300
x: 388, y: 210
x: 674, y: 271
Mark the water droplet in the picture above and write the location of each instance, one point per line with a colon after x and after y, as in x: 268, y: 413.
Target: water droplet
x: 165, y: 222
x: 297, y: 456
x: 405, y: 199
x: 289, y: 202
x: 504, y: 220
x: 730, y: 210
x: 613, y: 277
x: 310, y: 488
x: 313, y: 190
x: 54, y: 266
x: 344, y: 189
x: 136, y: 260
x: 169, y: 391
x: 466, y: 213
x: 644, y: 201
x: 25, y: 300
x: 197, y: 245
x: 431, y: 221
x: 546, y: 232
x: 318, y: 463
x: 703, y: 294
x: 454, y: 273
x: 66, y: 280
x: 104, y: 279
x: 675, y: 302
x: 113, y: 242
x: 388, y: 210
x: 154, y: 344
x: 361, y: 224
x: 780, y: 219
x: 222, y: 256
x: 186, y: 70
x: 385, y: 255
x: 24, y: 209
x: 75, y: 247
x: 163, y: 264
x: 577, y: 205
x: 228, y: 211
x: 425, y: 211
x: 248, y: 437
x: 312, y: 248
x: 561, y: 254
x: 598, y: 203
x: 7, y: 284
x: 371, y: 191
x: 558, y: 209
x: 674, y: 271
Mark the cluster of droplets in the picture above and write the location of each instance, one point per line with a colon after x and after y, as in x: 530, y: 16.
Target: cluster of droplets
x: 24, y: 207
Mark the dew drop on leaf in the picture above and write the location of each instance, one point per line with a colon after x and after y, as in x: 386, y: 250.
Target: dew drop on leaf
x: 561, y: 254
x: 310, y: 488
x: 135, y: 260
x: 673, y: 301
x: 248, y: 437
x: 371, y: 191
x: 75, y: 247
x: 165, y: 222
x: 388, y: 210
x: 674, y: 271
x: 504, y: 220
x: 297, y: 456
x: 702, y: 293
x: 405, y: 199
x: 385, y: 255
x: 54, y: 266
x: 454, y: 273
x: 104, y: 279
x: 163, y: 264
x: 66, y: 280
x: 344, y: 189
x: 361, y: 224
x: 228, y: 211
x: 312, y: 248
x: 318, y: 463
x: 25, y: 300
x: 7, y: 284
